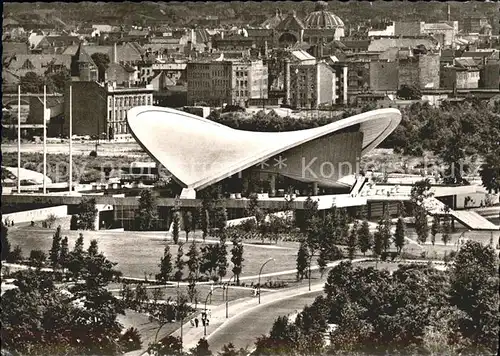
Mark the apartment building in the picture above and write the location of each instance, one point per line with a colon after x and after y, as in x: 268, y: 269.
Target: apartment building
x: 232, y: 82
x: 101, y: 110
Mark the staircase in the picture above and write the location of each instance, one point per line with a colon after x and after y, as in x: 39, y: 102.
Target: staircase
x: 358, y: 186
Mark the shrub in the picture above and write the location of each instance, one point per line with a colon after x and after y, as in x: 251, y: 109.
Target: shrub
x: 37, y: 258
x: 73, y: 225
x: 93, y: 153
x: 15, y: 255
x: 50, y: 220
x: 131, y: 340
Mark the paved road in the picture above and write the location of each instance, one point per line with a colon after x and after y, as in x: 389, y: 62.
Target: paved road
x: 106, y: 149
x: 244, y: 330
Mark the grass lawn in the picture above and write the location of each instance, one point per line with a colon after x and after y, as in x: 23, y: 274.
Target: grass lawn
x: 203, y: 291
x: 138, y: 253
x: 146, y: 328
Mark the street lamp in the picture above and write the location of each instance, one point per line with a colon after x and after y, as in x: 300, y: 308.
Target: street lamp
x: 206, y: 300
x: 260, y: 271
x: 227, y: 290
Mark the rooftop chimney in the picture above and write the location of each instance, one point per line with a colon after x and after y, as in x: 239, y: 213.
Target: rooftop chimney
x: 449, y: 13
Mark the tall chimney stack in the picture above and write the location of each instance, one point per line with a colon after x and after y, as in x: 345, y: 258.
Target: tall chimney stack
x: 115, y: 60
x: 449, y: 13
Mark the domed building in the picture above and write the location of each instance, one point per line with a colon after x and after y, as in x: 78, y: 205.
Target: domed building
x: 320, y: 26
x: 323, y: 25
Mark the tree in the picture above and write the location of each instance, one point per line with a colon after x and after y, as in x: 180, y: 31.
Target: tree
x: 201, y: 349
x: 222, y: 258
x: 87, y: 214
x: 384, y: 230
x: 209, y: 259
x: 37, y: 318
x: 179, y: 263
x: 141, y: 295
x: 205, y: 222
x: 5, y: 242
x: 302, y: 261
x: 409, y: 92
x: 188, y: 223
x: 55, y: 250
x: 193, y: 262
x: 282, y: 339
x: 310, y: 211
x: 165, y: 266
x: 50, y: 220
x: 59, y: 79
x: 102, y: 61
x: 399, y: 234
x: 147, y: 213
x: 131, y: 340
x: 378, y: 243
x: 230, y: 350
x: 175, y: 227
x: 76, y: 258
x: 98, y: 320
x: 220, y: 218
x: 365, y: 238
x: 421, y: 224
x: 93, y: 249
x: 490, y: 171
x: 64, y: 253
x: 237, y: 260
x: 352, y: 242
x: 168, y: 346
x: 16, y: 255
x: 37, y: 258
x: 474, y: 291
x: 445, y: 237
x: 435, y: 228
x: 31, y: 83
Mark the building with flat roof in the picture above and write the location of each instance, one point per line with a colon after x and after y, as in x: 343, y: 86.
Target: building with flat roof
x: 101, y: 110
x: 233, y: 82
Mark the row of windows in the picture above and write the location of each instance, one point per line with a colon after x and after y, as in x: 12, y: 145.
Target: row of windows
x: 119, y: 115
x: 219, y: 73
x: 199, y: 84
x: 120, y: 128
x: 241, y: 73
x: 219, y: 82
x: 241, y: 92
x: 198, y: 75
x: 130, y: 100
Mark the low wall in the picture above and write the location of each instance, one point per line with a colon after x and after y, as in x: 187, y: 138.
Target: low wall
x: 59, y: 211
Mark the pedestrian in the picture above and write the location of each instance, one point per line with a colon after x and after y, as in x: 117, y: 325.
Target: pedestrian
x: 196, y: 321
x: 203, y: 321
x: 209, y: 313
x: 191, y: 322
x: 207, y: 321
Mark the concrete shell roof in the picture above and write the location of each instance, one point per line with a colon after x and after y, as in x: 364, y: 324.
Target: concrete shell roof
x: 199, y: 152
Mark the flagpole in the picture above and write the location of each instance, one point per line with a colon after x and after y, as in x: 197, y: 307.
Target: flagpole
x: 19, y: 139
x: 44, y: 139
x: 70, y: 139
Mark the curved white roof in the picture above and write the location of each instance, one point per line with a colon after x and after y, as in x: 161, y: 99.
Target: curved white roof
x: 199, y: 152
